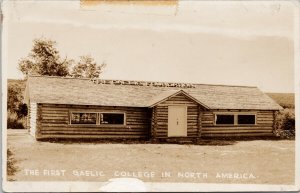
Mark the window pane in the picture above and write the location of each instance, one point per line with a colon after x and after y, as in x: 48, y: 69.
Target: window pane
x: 225, y: 119
x: 246, y: 119
x: 112, y: 118
x: 83, y: 118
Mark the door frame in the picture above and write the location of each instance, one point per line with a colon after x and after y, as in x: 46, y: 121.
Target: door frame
x: 186, y: 113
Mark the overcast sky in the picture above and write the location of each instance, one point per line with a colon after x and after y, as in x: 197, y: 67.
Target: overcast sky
x: 236, y: 43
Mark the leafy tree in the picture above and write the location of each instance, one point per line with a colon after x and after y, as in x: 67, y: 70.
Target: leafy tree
x: 13, y: 98
x: 87, y: 68
x: 22, y: 110
x: 44, y: 59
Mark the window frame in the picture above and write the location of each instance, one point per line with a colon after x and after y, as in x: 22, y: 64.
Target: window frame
x: 70, y: 117
x: 216, y: 115
x: 255, y: 118
x: 98, y: 118
x: 235, y: 119
x: 112, y: 112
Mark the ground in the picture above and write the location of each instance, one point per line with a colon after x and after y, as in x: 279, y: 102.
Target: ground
x: 251, y: 161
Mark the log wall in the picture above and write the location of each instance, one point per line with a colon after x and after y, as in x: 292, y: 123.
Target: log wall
x: 263, y: 127
x: 54, y: 122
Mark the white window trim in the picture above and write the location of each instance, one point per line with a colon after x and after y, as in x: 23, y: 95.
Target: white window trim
x: 235, y: 114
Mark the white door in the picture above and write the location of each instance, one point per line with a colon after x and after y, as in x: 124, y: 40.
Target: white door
x: 177, y: 121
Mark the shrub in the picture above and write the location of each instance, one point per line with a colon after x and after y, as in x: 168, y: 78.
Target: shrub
x: 285, y: 124
x: 11, y: 168
x: 13, y: 122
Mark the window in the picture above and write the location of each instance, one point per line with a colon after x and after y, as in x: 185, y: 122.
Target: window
x: 235, y: 119
x: 112, y: 118
x: 246, y: 119
x: 224, y: 119
x: 83, y: 118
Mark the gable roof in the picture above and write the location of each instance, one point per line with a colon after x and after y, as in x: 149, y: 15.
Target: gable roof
x: 165, y: 95
x: 62, y: 90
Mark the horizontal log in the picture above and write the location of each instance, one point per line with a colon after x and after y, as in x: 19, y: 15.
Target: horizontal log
x: 237, y: 131
x: 268, y: 119
x: 138, y: 120
x: 90, y: 136
x: 161, y: 129
x: 51, y: 112
x: 192, y: 116
x: 95, y: 132
x: 238, y: 135
x: 265, y: 112
x: 55, y: 118
x: 50, y: 122
x: 45, y: 114
x: 207, y: 122
x: 207, y: 113
x: 191, y: 124
x: 207, y: 117
x: 225, y: 128
x: 102, y: 128
x: 264, y: 121
x: 162, y: 121
x: 44, y: 125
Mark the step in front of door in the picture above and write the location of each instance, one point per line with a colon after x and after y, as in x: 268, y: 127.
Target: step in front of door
x: 181, y: 140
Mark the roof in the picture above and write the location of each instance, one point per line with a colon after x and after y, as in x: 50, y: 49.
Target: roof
x: 64, y: 90
x: 170, y: 93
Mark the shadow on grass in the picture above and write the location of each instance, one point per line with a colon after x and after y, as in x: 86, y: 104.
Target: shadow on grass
x: 211, y: 142
x: 207, y: 141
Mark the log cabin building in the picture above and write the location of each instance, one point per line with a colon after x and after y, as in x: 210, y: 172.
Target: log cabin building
x: 60, y: 107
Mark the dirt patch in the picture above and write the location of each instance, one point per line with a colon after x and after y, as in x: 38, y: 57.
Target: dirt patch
x: 269, y: 161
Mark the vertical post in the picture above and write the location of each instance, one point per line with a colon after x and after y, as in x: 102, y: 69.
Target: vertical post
x: 153, y: 123
x: 38, y: 120
x: 199, y: 122
x: 274, y: 122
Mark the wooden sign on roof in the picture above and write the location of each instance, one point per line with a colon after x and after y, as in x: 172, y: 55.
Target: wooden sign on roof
x: 143, y: 83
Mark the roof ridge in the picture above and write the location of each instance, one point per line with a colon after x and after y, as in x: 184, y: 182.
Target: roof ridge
x: 227, y: 85
x: 142, y: 81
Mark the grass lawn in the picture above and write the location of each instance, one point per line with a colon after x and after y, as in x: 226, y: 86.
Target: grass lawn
x: 253, y: 161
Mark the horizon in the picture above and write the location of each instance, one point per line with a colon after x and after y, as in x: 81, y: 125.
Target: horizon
x: 234, y: 43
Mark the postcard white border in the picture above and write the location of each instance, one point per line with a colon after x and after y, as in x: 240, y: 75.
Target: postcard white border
x: 75, y: 186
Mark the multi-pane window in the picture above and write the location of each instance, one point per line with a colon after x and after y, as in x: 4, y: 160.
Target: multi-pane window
x: 97, y: 118
x: 83, y: 118
x: 235, y: 119
x: 112, y: 118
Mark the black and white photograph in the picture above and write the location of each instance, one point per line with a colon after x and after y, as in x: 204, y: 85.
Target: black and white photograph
x: 150, y: 95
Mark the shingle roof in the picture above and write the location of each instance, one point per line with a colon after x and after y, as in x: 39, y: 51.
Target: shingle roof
x: 59, y: 90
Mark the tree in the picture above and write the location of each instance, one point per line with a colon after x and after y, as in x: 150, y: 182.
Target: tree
x: 87, y: 68
x: 13, y: 98
x: 44, y: 59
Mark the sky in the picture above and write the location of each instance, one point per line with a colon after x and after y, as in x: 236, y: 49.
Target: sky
x: 208, y: 42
